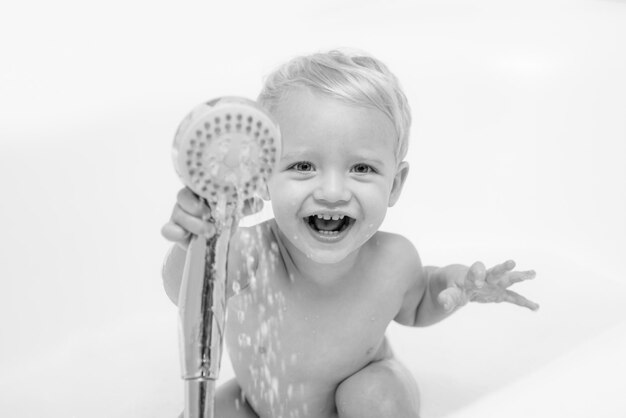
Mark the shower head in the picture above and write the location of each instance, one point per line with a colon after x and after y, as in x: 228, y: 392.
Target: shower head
x: 225, y: 150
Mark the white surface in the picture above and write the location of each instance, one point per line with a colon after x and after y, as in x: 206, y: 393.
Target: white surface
x: 518, y: 152
x: 587, y: 382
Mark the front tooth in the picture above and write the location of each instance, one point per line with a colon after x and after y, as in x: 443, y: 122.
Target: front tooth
x: 327, y: 217
x: 335, y: 217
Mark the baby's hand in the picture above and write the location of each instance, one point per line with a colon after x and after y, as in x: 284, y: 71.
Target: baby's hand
x: 484, y: 286
x: 191, y: 216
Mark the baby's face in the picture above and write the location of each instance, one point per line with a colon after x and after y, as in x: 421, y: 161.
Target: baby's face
x: 336, y: 177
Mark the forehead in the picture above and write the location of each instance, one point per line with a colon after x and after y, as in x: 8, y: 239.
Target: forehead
x: 308, y: 118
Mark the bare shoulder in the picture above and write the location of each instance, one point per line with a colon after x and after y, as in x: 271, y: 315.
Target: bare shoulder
x: 407, y: 271
x: 396, y: 247
x: 398, y: 253
x: 243, y: 252
x: 249, y: 241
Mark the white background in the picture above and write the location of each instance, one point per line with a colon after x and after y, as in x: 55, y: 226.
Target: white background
x: 518, y: 151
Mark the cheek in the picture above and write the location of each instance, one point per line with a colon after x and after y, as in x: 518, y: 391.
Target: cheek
x: 284, y: 209
x: 286, y: 197
x: 376, y: 216
x: 374, y: 202
x: 374, y: 196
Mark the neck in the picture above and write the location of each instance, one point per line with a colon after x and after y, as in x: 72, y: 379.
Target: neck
x: 304, y: 267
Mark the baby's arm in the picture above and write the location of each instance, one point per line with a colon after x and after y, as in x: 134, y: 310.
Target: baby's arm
x: 449, y: 288
x: 422, y: 305
x: 436, y: 292
x: 189, y: 218
x: 172, y: 271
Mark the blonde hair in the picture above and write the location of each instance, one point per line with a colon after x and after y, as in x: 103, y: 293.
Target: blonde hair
x: 353, y: 77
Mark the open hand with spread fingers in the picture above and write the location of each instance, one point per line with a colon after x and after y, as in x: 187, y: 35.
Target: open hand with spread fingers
x: 485, y: 286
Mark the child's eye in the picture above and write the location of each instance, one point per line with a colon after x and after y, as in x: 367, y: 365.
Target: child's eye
x: 363, y: 169
x: 302, y: 166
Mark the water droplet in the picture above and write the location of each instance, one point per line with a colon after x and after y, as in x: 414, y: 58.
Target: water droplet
x: 236, y: 287
x: 244, y: 340
x: 264, y: 329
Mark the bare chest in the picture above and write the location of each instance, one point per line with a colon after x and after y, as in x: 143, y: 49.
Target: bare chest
x: 286, y: 345
x: 302, y: 338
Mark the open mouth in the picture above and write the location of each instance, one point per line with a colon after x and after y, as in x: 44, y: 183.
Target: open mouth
x: 329, y: 226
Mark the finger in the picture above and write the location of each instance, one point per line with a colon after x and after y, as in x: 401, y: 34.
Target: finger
x: 191, y: 203
x: 500, y: 269
x: 518, y: 276
x: 191, y: 223
x: 451, y: 298
x: 477, y: 274
x: 520, y: 300
x: 446, y: 300
x: 252, y: 206
x: 175, y: 233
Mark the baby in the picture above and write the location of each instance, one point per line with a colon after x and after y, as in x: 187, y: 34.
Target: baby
x: 312, y: 291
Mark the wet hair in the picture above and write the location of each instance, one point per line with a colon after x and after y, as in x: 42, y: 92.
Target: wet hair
x: 353, y: 77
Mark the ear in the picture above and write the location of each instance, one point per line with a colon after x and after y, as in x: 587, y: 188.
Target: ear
x: 398, y: 182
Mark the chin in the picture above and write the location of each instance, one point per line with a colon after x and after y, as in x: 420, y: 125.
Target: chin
x: 328, y: 257
x: 329, y: 253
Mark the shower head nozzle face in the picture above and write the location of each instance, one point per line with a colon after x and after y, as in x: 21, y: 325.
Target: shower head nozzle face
x: 226, y: 148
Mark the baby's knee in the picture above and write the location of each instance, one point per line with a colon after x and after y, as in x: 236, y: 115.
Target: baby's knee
x: 378, y: 391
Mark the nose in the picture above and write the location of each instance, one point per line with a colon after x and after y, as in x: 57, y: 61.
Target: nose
x: 332, y: 189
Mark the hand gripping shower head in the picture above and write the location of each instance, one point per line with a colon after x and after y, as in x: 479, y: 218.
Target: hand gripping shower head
x: 224, y: 151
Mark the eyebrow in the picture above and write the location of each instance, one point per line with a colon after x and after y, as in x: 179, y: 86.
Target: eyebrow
x: 374, y: 160
x: 370, y: 158
x: 291, y: 155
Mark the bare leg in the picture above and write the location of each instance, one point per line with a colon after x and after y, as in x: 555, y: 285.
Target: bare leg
x: 230, y: 403
x: 382, y: 389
